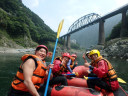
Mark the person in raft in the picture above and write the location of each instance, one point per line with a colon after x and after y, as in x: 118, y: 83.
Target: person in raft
x: 60, y: 69
x: 31, y: 74
x: 88, y: 56
x: 71, y: 61
x: 60, y: 65
x: 102, y: 68
x: 72, y: 64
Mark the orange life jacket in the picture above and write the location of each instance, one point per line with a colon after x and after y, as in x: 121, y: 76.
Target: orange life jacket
x: 38, y: 74
x: 111, y: 75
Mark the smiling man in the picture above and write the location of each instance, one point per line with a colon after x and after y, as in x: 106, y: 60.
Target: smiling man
x: 31, y: 74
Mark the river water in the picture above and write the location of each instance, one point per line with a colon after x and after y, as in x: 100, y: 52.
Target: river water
x: 10, y: 62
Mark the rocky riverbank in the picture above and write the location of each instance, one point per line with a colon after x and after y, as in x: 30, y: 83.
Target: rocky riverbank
x: 116, y: 48
x: 14, y: 50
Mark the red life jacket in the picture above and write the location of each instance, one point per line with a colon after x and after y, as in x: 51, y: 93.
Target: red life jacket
x: 58, y: 68
x: 111, y: 75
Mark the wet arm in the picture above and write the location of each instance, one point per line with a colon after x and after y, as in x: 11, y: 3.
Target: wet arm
x: 84, y: 58
x: 28, y: 68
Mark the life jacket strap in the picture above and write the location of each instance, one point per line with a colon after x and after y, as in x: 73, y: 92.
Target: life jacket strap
x: 38, y: 76
x: 23, y: 80
x: 20, y: 70
x: 38, y: 84
x: 113, y: 75
x: 18, y: 79
x: 109, y: 76
x: 110, y: 69
x: 112, y: 79
x: 44, y: 68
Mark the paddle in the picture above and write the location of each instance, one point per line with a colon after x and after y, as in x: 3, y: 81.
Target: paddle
x: 90, y: 78
x: 69, y: 74
x: 72, y: 74
x: 50, y: 70
x: 119, y: 79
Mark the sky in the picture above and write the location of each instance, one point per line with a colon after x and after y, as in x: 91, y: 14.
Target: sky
x: 53, y: 11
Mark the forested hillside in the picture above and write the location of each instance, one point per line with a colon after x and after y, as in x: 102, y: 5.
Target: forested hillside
x: 116, y: 31
x: 21, y: 26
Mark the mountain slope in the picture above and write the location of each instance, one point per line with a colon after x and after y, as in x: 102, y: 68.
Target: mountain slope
x: 20, y: 25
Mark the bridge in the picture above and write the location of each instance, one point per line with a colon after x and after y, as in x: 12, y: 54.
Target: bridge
x: 94, y: 18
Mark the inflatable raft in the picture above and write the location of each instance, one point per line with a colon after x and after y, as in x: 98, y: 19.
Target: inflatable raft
x: 81, y: 70
x: 78, y: 87
x: 74, y: 91
x: 80, y: 82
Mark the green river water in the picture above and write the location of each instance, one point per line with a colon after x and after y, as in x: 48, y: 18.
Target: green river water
x: 10, y: 62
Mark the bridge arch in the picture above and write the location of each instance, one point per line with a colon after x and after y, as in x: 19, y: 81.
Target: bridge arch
x: 85, y: 20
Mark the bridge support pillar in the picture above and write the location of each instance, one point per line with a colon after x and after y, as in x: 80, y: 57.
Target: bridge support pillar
x: 124, y: 30
x: 101, y: 40
x: 68, y: 41
x: 64, y: 43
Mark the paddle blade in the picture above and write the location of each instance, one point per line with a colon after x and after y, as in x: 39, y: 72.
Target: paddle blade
x: 59, y: 28
x: 86, y: 78
x: 121, y: 80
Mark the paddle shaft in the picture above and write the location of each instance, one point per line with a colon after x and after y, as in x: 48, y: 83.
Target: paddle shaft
x: 118, y: 79
x: 68, y: 74
x: 50, y: 70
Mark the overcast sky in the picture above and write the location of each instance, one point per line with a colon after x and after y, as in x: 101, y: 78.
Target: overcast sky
x: 53, y: 11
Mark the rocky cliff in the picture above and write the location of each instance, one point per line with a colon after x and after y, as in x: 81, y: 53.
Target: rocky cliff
x: 117, y: 48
